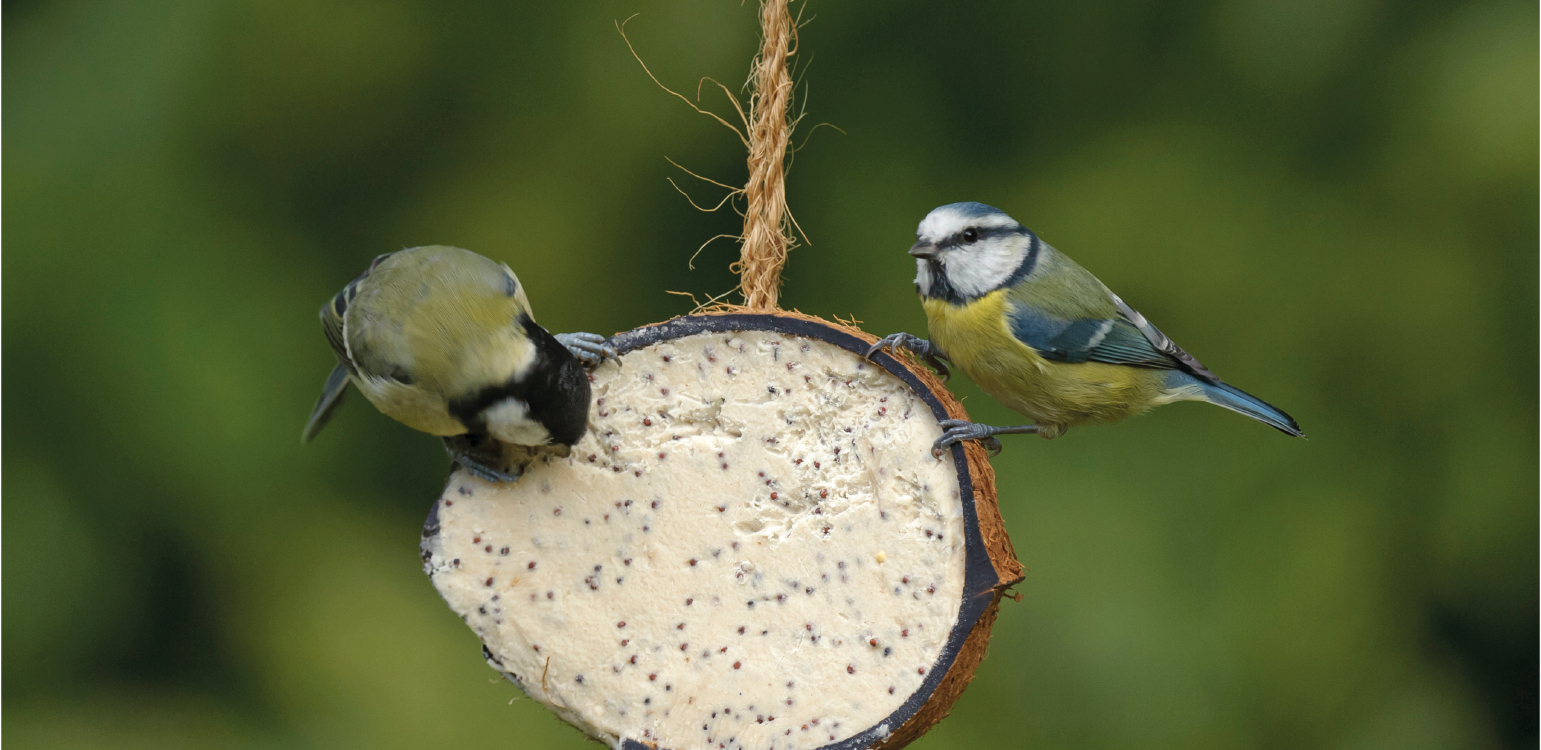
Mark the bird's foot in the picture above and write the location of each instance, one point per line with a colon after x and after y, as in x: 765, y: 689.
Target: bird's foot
x: 591, y: 349
x: 928, y: 352
x: 470, y: 457
x: 958, y: 430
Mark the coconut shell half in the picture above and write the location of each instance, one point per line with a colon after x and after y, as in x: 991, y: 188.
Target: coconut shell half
x: 752, y: 546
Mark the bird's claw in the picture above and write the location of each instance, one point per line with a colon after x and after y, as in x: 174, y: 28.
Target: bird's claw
x: 591, y: 349
x: 891, y: 341
x: 461, y: 449
x: 925, y: 349
x: 959, y: 430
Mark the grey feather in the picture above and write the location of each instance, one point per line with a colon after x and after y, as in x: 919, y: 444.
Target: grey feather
x: 326, y: 406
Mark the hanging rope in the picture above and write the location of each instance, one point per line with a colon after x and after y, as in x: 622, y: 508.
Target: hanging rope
x: 767, y: 235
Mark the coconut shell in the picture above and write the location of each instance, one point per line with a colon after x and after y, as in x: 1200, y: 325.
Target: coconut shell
x: 990, y: 564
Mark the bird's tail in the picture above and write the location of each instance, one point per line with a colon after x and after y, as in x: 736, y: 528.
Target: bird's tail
x: 1184, y: 386
x: 1237, y: 400
x: 331, y: 398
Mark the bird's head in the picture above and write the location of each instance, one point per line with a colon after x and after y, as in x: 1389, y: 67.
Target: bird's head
x: 967, y: 250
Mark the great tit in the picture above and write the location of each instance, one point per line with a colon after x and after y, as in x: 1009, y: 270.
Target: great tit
x: 1044, y: 336
x: 443, y: 340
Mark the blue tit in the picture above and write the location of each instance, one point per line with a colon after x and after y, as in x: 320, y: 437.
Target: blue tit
x: 1044, y: 336
x: 443, y: 340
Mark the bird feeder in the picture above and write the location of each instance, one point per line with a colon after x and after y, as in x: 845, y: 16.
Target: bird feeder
x: 753, y: 545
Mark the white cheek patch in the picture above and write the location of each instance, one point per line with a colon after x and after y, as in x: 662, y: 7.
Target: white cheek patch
x: 981, y: 268
x: 509, y: 421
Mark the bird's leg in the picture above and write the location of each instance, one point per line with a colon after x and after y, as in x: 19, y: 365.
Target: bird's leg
x: 466, y: 452
x: 590, y: 348
x: 958, y: 430
x: 927, y: 351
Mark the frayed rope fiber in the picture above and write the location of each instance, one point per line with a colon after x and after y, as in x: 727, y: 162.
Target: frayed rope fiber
x: 767, y: 235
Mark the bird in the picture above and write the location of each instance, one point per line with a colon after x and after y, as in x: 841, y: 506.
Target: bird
x: 1043, y: 336
x: 443, y: 340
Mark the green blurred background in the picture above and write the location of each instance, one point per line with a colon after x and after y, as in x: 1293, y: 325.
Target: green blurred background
x: 1332, y: 202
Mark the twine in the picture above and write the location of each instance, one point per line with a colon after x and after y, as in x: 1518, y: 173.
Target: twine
x: 767, y: 236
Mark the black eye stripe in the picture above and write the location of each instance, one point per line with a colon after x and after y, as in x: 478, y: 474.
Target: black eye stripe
x: 992, y: 232
x: 983, y: 233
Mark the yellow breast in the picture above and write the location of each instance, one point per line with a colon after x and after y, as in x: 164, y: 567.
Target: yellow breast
x: 977, y: 338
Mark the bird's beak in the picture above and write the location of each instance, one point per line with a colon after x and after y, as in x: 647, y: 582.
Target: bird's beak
x: 923, y: 250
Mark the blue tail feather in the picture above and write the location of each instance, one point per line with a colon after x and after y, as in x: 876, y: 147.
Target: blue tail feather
x: 1237, y: 400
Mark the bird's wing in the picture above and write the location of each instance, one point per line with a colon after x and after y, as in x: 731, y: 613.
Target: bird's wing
x: 333, y: 325
x: 334, y: 316
x: 1123, y: 338
x: 1110, y: 340
x: 516, y: 290
x: 1159, y: 341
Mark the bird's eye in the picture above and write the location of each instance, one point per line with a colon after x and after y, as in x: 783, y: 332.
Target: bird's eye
x: 970, y: 234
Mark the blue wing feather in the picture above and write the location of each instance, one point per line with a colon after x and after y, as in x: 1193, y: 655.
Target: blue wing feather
x: 1114, y: 341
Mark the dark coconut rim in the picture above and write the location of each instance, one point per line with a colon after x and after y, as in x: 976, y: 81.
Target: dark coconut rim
x: 982, y: 582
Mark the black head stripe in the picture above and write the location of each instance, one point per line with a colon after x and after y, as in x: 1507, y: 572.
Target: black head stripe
x: 990, y: 232
x: 1029, y: 261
